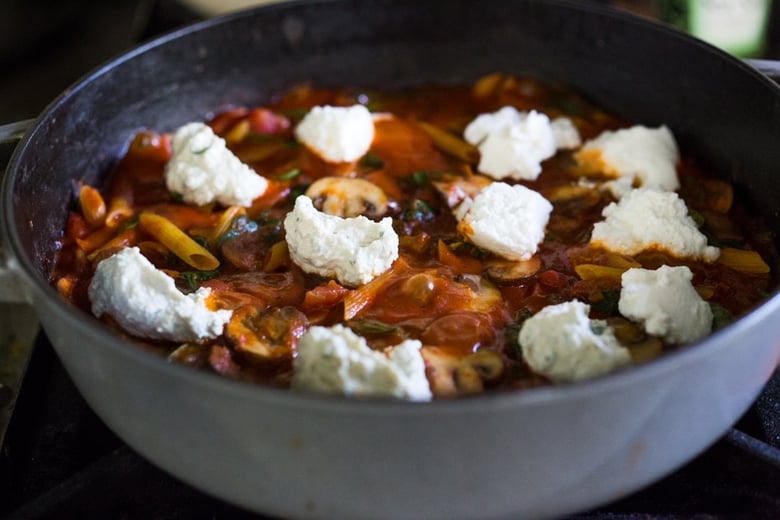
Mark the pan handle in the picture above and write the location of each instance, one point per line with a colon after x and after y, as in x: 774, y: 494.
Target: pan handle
x: 769, y: 68
x: 12, y: 288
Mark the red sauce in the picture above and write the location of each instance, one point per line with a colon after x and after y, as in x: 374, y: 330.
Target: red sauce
x: 441, y: 290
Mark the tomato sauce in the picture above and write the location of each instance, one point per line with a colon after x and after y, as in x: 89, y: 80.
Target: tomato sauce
x: 453, y: 296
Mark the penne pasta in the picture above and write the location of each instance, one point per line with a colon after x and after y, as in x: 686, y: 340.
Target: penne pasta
x: 459, y: 263
x: 178, y: 242
x: 125, y: 238
x: 592, y: 271
x: 488, y: 85
x: 96, y: 239
x: 238, y: 132
x: 450, y: 144
x: 705, y: 291
x: 212, y: 234
x: 92, y: 206
x: 743, y: 260
x: 119, y: 210
x: 278, y: 256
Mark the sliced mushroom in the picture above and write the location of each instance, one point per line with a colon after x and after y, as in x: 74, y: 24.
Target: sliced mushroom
x: 451, y: 376
x: 486, y: 363
x: 508, y: 270
x: 269, y: 335
x: 347, y: 197
x: 642, y: 346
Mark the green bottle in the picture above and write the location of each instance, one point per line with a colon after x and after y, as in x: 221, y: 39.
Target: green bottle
x: 736, y: 26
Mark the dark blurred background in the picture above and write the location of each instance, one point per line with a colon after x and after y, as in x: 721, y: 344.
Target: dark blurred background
x: 46, y: 45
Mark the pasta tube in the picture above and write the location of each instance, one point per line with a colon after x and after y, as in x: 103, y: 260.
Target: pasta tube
x: 178, y: 242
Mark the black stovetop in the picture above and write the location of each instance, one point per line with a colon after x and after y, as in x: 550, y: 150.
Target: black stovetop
x: 60, y: 461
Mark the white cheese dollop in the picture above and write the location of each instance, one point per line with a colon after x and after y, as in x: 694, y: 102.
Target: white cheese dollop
x: 665, y: 302
x: 336, y: 360
x: 337, y: 134
x: 567, y: 137
x: 639, y: 155
x: 145, y: 302
x: 513, y: 144
x: 203, y: 170
x: 352, y: 250
x: 507, y: 220
x: 563, y: 344
x: 650, y: 219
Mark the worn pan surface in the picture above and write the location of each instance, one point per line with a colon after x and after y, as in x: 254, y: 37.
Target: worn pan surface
x: 538, y: 453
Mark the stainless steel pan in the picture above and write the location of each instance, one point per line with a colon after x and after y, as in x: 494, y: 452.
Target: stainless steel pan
x: 537, y: 453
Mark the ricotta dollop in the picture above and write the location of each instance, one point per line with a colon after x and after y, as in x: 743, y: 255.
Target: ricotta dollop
x: 665, y: 302
x: 563, y: 344
x: 353, y: 250
x: 509, y: 221
x: 337, y: 134
x: 336, y: 360
x: 646, y: 219
x: 145, y: 302
x: 636, y: 156
x: 513, y: 144
x: 203, y: 170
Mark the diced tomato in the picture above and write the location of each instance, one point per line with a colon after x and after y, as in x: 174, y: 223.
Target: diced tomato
x: 226, y: 120
x: 151, y: 145
x: 76, y: 226
x: 460, y: 264
x: 263, y: 121
x: 324, y: 296
x: 552, y: 279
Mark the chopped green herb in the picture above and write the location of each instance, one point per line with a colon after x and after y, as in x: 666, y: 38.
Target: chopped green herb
x: 608, y: 305
x: 296, y: 191
x: 371, y: 160
x: 290, y: 174
x: 512, y: 333
x: 363, y: 327
x: 130, y: 223
x: 198, y: 151
x: 598, y: 327
x: 202, y: 241
x: 697, y: 217
x: 265, y: 219
x: 374, y: 106
x: 195, y: 278
x: 295, y: 114
x: 572, y: 107
x: 419, y: 177
x: 177, y: 197
x: 721, y: 316
x: 257, y: 138
x: 417, y: 210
